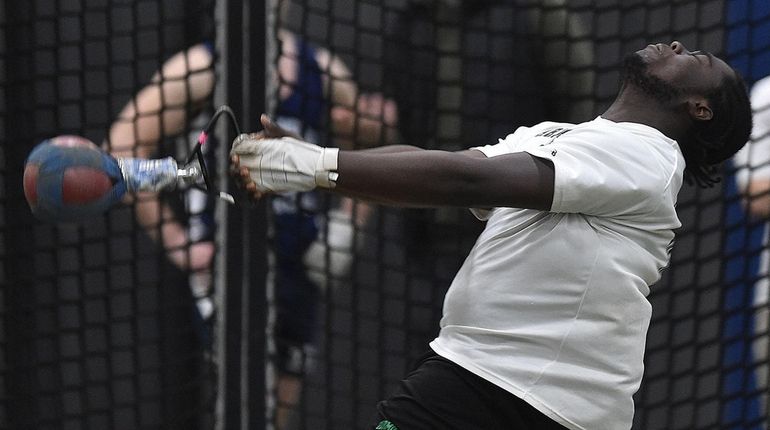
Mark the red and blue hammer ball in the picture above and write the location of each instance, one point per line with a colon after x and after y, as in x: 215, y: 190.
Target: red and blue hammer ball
x: 69, y: 179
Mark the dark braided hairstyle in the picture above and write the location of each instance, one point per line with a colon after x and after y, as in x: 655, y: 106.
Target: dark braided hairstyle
x: 714, y: 141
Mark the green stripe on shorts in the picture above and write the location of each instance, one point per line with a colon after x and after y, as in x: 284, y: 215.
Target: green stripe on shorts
x: 386, y: 425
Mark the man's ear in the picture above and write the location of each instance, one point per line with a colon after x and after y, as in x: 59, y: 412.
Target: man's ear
x: 700, y: 109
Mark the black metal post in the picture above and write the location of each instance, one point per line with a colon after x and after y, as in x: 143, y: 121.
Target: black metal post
x: 17, y: 295
x: 243, y: 259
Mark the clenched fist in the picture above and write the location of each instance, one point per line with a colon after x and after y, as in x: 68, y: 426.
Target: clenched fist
x: 276, y: 162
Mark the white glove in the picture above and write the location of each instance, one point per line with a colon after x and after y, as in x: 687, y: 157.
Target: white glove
x: 286, y: 164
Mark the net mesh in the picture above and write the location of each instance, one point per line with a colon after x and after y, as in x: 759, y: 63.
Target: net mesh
x: 99, y: 326
x: 467, y: 73
x: 99, y: 329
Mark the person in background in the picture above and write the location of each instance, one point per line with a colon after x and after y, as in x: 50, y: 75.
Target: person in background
x: 316, y: 90
x: 752, y: 178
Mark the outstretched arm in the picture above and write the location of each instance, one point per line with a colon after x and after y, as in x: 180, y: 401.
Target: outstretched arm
x: 162, y: 109
x: 397, y: 175
x: 440, y: 178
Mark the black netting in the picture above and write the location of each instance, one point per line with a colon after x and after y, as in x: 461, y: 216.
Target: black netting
x: 467, y: 73
x: 100, y: 330
x: 113, y: 323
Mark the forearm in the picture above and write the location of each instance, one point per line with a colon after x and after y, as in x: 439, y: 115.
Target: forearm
x: 158, y: 220
x: 398, y: 177
x: 136, y: 134
x: 367, y: 194
x: 440, y: 178
x: 162, y: 107
x: 390, y: 149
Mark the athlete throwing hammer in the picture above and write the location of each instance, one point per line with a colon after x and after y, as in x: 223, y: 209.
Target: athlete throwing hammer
x: 544, y: 326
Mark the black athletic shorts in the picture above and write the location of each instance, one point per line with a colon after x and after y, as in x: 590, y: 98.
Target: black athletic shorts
x: 441, y: 395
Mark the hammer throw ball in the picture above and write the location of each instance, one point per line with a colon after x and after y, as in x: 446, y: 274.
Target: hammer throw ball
x: 69, y: 179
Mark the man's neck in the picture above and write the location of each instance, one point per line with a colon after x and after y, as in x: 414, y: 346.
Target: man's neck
x: 633, y: 106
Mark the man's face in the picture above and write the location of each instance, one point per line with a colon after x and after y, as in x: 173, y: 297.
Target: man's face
x: 666, y: 72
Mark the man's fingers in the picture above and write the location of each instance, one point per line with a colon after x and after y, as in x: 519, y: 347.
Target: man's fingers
x: 266, y: 121
x: 235, y: 166
x: 239, y: 173
x: 261, y: 158
x: 271, y: 129
x: 253, y: 192
x: 242, y: 179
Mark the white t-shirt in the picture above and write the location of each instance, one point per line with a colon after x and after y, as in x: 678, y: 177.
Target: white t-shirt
x: 552, y: 306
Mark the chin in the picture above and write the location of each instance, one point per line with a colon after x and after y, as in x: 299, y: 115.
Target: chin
x: 636, y: 73
x: 634, y: 65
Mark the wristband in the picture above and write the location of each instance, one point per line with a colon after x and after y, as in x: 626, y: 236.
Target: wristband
x: 326, y: 169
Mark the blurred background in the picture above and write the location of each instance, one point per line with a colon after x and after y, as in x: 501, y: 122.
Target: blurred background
x: 177, y: 311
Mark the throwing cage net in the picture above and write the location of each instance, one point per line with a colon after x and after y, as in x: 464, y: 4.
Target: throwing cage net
x: 100, y: 327
x: 157, y: 315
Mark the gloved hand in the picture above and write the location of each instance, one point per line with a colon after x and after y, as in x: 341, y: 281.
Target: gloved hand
x: 284, y: 164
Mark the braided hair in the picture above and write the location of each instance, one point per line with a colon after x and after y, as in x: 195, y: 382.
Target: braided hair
x: 711, y: 142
